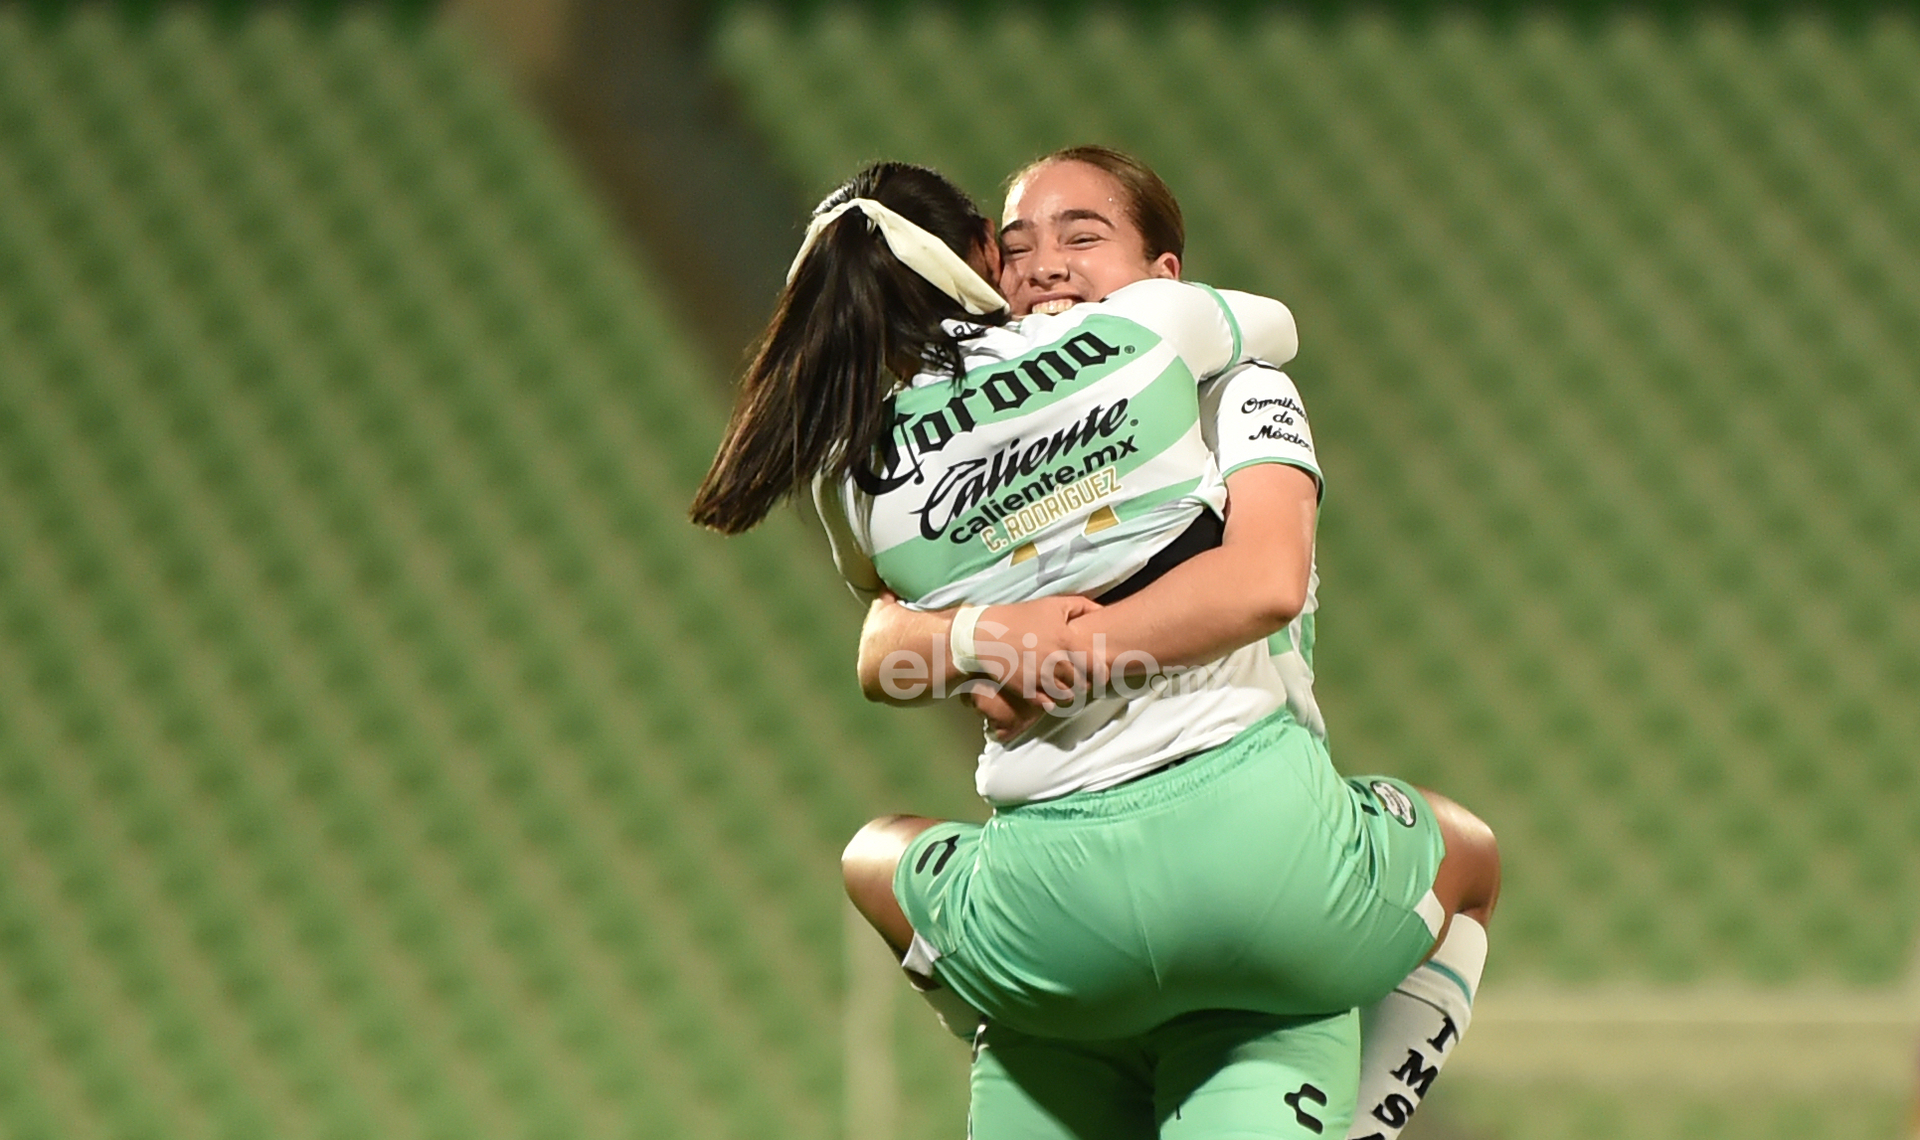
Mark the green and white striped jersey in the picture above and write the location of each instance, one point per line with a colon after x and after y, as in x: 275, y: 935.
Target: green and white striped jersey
x: 1068, y: 453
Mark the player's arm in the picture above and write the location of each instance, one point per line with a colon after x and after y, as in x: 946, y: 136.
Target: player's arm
x: 1251, y: 418
x: 1257, y: 580
x: 1240, y: 592
x: 906, y: 655
x: 898, y: 661
x: 1247, y: 588
x: 1212, y: 330
x: 1243, y: 590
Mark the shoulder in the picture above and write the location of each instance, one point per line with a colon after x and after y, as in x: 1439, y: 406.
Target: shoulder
x: 1253, y: 374
x: 987, y: 346
x: 1157, y: 299
x: 1253, y: 414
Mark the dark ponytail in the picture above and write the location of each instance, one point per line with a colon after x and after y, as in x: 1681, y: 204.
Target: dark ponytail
x: 853, y: 320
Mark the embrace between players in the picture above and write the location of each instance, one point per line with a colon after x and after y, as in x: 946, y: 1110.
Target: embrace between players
x: 1081, y: 494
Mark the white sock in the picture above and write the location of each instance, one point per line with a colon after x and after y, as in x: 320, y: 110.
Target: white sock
x: 1406, y: 1036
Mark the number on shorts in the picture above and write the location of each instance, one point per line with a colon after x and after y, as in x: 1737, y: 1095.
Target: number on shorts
x: 951, y: 843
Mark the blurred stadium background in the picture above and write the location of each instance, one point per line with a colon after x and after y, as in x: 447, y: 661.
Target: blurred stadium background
x: 381, y: 754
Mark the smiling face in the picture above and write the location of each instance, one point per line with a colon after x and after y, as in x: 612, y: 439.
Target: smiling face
x: 1068, y: 235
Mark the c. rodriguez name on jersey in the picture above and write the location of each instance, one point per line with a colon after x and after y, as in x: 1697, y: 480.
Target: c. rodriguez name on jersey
x: 1028, y: 520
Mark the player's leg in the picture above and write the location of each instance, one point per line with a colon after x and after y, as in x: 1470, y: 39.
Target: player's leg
x: 1253, y: 1076
x: 1034, y: 1088
x: 1408, y: 1035
x: 867, y: 866
x: 1469, y: 879
x: 870, y: 867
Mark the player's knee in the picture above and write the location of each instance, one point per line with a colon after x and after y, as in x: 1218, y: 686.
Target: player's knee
x: 873, y: 852
x: 1486, y: 847
x: 866, y: 869
x: 1478, y: 835
x: 1475, y: 852
x: 872, y: 845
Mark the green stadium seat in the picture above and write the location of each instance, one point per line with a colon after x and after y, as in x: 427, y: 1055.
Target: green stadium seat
x: 396, y: 789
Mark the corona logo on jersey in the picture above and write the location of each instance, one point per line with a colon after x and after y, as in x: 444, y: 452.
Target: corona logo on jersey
x: 1022, y: 460
x: 902, y: 457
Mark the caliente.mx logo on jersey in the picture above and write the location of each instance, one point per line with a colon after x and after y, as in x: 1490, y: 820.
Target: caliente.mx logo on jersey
x: 909, y: 453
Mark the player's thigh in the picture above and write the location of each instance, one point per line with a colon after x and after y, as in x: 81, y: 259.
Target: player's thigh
x: 1234, y: 1075
x: 1034, y: 1088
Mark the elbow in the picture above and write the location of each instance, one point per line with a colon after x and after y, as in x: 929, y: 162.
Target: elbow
x: 1271, y: 581
x: 889, y: 691
x: 873, y: 690
x: 890, y: 673
x: 897, y: 678
x: 869, y: 671
x: 1277, y: 606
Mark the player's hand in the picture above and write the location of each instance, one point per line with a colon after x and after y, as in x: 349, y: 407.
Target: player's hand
x: 1033, y: 649
x: 1007, y: 714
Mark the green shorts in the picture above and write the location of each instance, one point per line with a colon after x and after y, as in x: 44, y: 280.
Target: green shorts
x: 1252, y: 877
x: 1218, y: 1073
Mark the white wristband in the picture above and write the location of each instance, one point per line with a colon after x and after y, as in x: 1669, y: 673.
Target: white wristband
x: 960, y: 640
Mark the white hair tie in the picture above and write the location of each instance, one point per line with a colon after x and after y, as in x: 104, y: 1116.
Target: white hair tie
x: 917, y: 249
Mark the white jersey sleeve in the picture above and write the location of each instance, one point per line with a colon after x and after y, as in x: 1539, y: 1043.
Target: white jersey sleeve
x: 1211, y: 329
x: 1250, y: 415
x: 1266, y: 327
x: 1253, y: 414
x: 850, y: 554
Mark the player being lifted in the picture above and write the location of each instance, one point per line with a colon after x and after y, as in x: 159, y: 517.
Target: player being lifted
x: 1177, y: 901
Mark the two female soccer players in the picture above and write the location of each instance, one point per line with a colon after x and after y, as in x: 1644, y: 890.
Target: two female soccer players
x: 1177, y: 902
